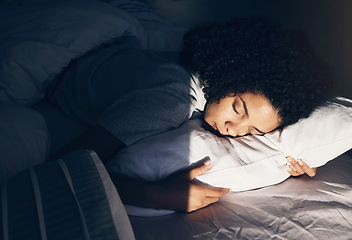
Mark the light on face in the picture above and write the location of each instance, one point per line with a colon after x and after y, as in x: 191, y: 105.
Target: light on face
x: 246, y: 113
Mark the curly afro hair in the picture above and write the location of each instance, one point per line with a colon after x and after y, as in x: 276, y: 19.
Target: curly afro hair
x: 254, y: 55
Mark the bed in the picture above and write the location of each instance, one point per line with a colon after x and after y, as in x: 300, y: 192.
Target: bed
x: 303, y: 208
x: 291, y: 208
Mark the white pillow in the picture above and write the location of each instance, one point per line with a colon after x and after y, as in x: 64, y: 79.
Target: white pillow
x: 39, y: 39
x: 326, y: 134
x: 239, y: 163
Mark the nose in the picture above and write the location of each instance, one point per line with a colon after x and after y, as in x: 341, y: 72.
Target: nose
x: 236, y: 129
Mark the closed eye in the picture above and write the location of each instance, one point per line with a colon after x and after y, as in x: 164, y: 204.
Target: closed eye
x: 260, y: 132
x: 244, y: 107
x: 234, y: 107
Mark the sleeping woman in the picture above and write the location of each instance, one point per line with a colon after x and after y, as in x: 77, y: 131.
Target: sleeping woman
x: 247, y: 76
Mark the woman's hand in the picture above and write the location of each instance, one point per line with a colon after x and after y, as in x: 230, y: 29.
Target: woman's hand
x: 298, y: 167
x: 179, y: 192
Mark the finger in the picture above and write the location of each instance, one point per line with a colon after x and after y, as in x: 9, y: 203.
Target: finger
x: 210, y: 200
x: 198, y: 170
x: 295, y: 165
x: 206, y: 202
x: 217, y: 192
x: 308, y: 170
x: 291, y: 171
x: 210, y: 191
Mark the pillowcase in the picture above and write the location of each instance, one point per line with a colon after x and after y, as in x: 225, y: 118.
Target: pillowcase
x: 243, y: 163
x: 326, y: 134
x: 39, y: 38
x: 71, y: 198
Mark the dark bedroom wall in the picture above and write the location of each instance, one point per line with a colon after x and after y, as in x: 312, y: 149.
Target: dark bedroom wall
x: 328, y: 23
x: 343, y: 41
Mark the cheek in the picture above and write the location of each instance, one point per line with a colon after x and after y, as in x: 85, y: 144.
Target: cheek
x: 267, y: 123
x: 208, y: 112
x: 218, y: 112
x: 212, y: 111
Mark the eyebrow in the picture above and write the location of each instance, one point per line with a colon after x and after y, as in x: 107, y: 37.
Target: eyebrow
x: 246, y: 110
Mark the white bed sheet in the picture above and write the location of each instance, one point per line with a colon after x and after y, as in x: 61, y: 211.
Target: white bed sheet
x: 299, y: 208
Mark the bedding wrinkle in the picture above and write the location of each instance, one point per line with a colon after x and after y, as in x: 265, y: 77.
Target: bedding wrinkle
x: 53, y: 34
x: 287, y: 213
x: 291, y: 210
x: 349, y: 221
x: 339, y: 191
x: 21, y: 66
x: 211, y: 224
x: 312, y: 216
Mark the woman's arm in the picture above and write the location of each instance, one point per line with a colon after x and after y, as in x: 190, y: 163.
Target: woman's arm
x: 95, y: 138
x: 178, y: 192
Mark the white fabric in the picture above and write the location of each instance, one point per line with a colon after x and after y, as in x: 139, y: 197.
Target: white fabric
x: 66, y: 172
x: 159, y: 33
x: 240, y: 163
x: 123, y: 89
x: 39, y: 38
x: 326, y: 134
x: 72, y: 198
x: 316, y: 208
x: 24, y: 140
x: 39, y: 204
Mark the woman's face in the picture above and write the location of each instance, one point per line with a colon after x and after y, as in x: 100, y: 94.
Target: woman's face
x: 242, y: 114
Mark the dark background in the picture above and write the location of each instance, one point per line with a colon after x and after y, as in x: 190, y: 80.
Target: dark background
x: 328, y: 23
